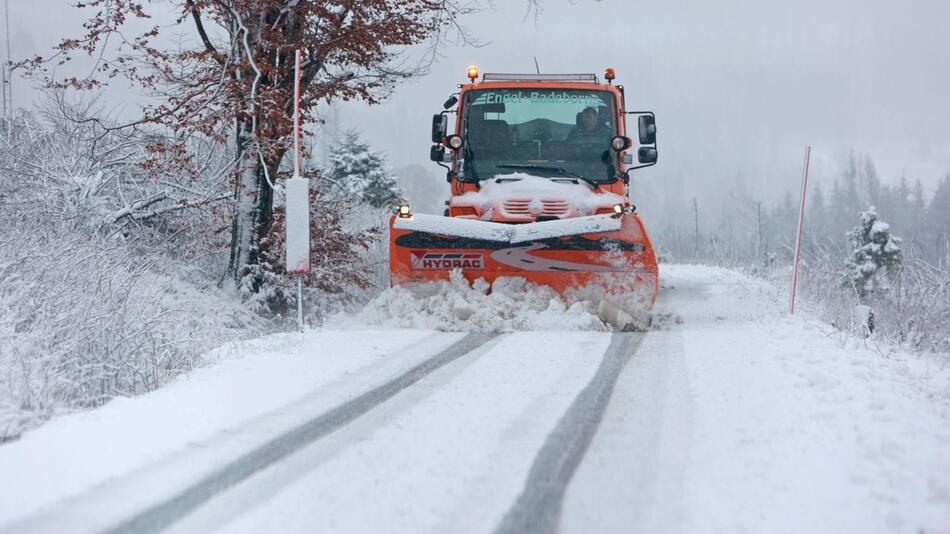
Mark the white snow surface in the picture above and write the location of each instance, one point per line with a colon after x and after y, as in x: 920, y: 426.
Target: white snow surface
x: 508, y: 233
x: 590, y: 224
x: 740, y: 419
x: 879, y: 227
x: 455, y: 226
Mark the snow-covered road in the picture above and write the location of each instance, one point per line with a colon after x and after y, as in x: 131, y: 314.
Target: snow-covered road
x: 737, y: 420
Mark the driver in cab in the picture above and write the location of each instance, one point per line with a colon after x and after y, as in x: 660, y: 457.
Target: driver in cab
x: 589, y: 128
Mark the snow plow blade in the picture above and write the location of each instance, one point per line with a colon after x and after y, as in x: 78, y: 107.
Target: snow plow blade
x: 609, y: 254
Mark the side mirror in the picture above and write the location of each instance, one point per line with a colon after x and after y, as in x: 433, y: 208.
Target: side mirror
x: 440, y: 125
x: 647, y: 154
x: 450, y: 102
x: 437, y: 153
x: 647, y: 127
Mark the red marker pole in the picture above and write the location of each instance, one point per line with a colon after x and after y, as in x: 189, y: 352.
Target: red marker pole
x: 297, y: 113
x: 801, y: 226
x: 297, y: 171
x: 298, y: 208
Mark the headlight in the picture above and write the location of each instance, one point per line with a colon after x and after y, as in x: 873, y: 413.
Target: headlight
x: 619, y: 143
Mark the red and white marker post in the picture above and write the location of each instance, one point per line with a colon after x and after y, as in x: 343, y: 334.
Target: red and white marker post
x: 298, y: 208
x: 798, y: 235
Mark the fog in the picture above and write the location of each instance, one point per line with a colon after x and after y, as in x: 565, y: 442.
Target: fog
x: 739, y: 87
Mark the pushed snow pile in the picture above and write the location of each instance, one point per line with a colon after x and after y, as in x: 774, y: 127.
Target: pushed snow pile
x: 513, y: 304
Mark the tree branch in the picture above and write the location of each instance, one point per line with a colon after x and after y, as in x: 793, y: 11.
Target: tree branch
x: 196, y: 14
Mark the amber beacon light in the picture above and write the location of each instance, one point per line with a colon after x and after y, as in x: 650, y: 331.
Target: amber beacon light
x: 472, y: 73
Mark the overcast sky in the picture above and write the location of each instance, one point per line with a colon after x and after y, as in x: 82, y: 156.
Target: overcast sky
x: 739, y: 87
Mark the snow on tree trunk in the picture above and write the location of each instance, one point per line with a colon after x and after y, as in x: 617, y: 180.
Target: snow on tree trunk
x: 254, y: 209
x: 873, y: 250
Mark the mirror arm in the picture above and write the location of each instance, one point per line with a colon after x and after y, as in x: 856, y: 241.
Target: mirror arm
x: 639, y: 166
x: 448, y: 170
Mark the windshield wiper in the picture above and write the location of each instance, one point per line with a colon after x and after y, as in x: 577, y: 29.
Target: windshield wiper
x: 558, y: 170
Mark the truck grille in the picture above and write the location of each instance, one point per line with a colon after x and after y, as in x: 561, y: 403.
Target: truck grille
x: 549, y: 207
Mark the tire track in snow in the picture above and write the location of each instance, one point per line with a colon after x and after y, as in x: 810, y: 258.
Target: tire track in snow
x: 538, y: 508
x: 164, y: 514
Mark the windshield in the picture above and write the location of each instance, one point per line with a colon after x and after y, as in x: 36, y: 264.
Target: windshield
x: 547, y: 132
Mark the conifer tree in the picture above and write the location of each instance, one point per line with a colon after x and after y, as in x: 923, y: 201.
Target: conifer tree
x: 874, y: 254
x: 355, y: 168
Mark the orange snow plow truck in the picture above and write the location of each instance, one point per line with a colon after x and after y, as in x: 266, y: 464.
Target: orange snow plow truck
x: 539, y: 167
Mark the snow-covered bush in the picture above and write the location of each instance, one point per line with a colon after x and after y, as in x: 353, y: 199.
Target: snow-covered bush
x: 84, y: 321
x: 107, y: 274
x: 914, y: 312
x: 344, y: 258
x: 875, y: 255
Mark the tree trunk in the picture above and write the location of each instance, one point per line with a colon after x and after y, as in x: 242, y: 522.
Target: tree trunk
x: 253, y: 216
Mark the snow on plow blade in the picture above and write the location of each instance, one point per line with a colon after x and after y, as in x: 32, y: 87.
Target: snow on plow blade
x: 577, y: 254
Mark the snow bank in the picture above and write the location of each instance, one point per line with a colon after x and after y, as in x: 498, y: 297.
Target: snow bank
x: 512, y: 305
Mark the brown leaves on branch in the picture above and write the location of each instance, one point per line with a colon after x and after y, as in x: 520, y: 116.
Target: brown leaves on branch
x: 237, y: 67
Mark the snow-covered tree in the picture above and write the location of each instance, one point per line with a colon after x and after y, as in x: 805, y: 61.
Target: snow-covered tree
x: 353, y: 167
x: 874, y: 253
x: 233, y: 79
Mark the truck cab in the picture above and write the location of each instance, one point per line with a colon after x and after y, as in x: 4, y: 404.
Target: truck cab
x: 522, y: 144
